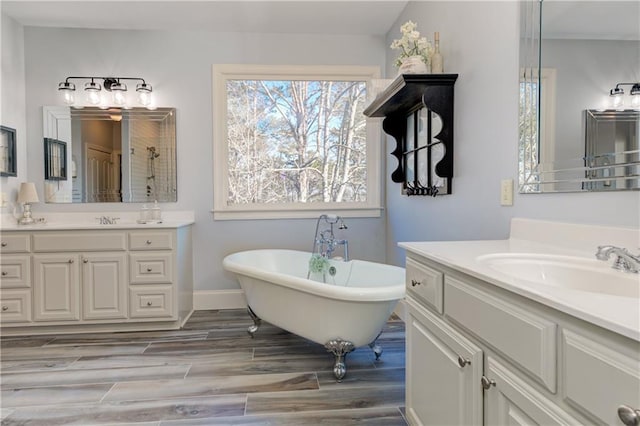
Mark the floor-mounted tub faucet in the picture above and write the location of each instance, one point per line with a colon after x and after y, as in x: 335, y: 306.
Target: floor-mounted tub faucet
x: 625, y: 261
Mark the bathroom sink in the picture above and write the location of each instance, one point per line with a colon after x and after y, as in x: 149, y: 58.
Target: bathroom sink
x: 568, y: 272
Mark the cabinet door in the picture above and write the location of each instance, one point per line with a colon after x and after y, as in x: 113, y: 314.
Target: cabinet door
x: 443, y: 372
x: 56, y: 287
x: 511, y: 401
x: 104, y: 286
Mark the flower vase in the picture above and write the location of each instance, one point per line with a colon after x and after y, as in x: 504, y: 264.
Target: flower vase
x: 413, y: 65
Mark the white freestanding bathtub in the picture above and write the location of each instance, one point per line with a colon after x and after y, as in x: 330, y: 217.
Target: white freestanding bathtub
x: 346, y: 312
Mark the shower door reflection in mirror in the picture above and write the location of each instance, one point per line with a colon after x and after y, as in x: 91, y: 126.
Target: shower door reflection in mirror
x: 116, y: 155
x: 612, y: 149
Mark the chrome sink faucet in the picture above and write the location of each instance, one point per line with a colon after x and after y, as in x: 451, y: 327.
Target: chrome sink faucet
x: 106, y: 220
x: 625, y: 261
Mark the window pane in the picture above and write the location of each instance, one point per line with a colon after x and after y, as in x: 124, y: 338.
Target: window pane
x: 296, y: 141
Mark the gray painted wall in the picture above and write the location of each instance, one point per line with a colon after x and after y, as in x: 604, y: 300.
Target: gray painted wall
x: 479, y: 41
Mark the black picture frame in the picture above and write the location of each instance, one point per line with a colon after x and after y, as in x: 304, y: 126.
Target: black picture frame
x: 55, y: 159
x: 8, y: 156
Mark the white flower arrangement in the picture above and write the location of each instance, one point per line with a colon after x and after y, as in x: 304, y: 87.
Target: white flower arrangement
x: 411, y: 44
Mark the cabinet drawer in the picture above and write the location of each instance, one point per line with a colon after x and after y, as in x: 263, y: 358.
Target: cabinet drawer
x: 79, y: 241
x: 145, y: 268
x: 15, y: 271
x: 425, y: 283
x: 15, y: 306
x: 527, y: 339
x: 15, y: 243
x: 589, y: 366
x: 151, y: 301
x: 151, y: 240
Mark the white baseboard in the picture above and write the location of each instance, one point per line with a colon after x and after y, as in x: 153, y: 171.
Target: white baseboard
x: 218, y: 299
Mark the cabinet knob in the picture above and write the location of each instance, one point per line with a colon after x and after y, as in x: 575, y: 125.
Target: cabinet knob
x: 4, y: 273
x: 463, y: 361
x: 629, y: 416
x: 149, y: 304
x: 85, y: 260
x: 4, y: 244
x: 70, y: 260
x: 149, y: 269
x: 148, y: 242
x: 415, y: 283
x: 5, y: 308
x: 487, y: 383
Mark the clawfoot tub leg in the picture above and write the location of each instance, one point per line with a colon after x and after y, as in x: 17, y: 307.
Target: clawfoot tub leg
x: 340, y: 348
x: 256, y: 322
x: 377, y: 349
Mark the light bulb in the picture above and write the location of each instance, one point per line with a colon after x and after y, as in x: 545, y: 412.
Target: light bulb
x: 635, y: 101
x: 93, y: 97
x: 616, y: 102
x: 119, y: 98
x: 68, y: 97
x: 144, y: 98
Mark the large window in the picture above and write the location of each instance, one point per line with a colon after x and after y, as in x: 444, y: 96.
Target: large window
x: 293, y: 142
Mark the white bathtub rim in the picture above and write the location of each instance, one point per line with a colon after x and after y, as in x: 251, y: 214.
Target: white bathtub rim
x: 361, y: 294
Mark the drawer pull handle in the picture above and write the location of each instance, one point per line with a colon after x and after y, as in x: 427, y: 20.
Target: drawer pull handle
x: 463, y: 361
x: 629, y: 416
x: 4, y: 273
x: 70, y: 260
x: 148, y: 242
x: 487, y: 383
x: 4, y: 244
x: 5, y: 308
x: 149, y: 304
x: 415, y: 283
x: 149, y: 269
x: 85, y: 260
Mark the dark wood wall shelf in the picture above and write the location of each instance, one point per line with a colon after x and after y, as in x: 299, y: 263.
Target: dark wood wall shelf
x: 418, y: 111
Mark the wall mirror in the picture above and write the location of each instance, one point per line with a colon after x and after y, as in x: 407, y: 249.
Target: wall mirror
x: 571, y: 56
x: 113, y: 155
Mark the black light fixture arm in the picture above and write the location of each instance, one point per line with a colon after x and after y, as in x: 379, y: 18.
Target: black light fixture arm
x: 107, y: 82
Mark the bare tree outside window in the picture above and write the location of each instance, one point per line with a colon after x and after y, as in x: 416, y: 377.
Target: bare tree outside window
x: 293, y: 141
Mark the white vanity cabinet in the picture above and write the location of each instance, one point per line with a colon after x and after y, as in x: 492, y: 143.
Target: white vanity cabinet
x: 98, y: 279
x: 479, y: 354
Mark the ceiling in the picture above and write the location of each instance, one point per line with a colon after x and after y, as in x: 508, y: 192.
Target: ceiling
x: 357, y: 17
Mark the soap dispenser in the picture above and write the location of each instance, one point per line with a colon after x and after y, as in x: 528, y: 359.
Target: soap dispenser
x: 156, y: 214
x: 145, y: 214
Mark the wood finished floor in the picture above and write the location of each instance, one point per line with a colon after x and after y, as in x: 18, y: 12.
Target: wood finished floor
x: 209, y: 373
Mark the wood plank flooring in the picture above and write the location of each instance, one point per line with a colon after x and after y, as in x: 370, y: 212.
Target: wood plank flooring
x: 209, y: 373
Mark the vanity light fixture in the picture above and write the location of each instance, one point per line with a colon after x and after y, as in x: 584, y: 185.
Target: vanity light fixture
x: 93, y: 91
x: 617, y: 94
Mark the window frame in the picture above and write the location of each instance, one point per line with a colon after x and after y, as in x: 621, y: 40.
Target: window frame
x: 222, y: 211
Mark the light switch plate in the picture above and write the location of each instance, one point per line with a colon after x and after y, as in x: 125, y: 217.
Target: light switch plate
x: 506, y: 192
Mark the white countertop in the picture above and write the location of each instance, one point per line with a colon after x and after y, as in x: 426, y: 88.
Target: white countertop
x: 615, y: 313
x: 90, y: 220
